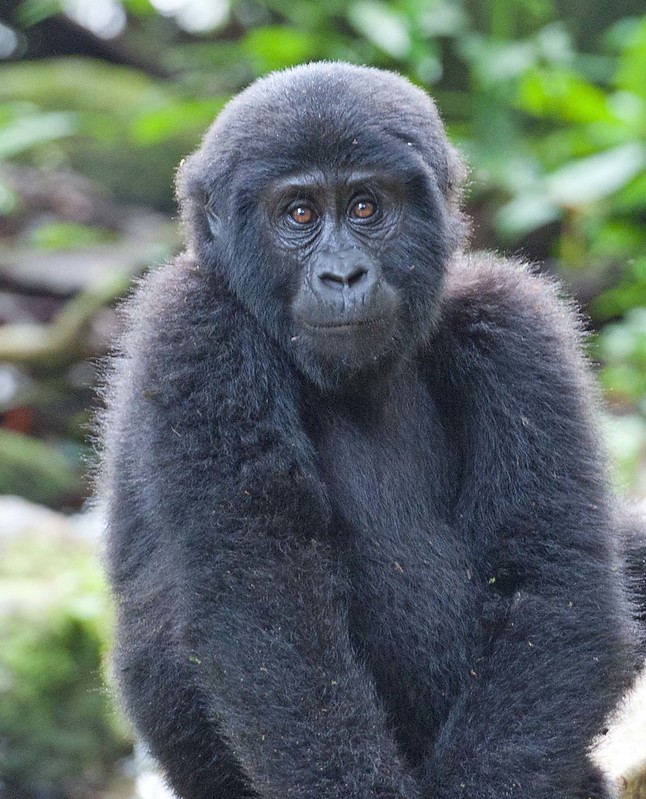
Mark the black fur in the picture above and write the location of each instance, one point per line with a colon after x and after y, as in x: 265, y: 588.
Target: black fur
x: 392, y: 578
x: 632, y: 529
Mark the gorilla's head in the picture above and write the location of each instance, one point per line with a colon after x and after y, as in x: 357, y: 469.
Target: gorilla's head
x: 327, y: 197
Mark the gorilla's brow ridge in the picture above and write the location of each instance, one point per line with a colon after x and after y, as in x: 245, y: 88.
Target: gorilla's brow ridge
x: 304, y: 181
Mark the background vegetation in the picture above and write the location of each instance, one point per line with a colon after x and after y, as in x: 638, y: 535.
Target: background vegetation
x: 99, y: 99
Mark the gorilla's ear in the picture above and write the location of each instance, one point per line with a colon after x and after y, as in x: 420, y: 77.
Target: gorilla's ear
x: 212, y: 217
x: 444, y: 163
x: 451, y: 172
x: 453, y: 177
x: 198, y: 215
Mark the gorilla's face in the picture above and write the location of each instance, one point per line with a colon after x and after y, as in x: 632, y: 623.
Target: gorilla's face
x: 350, y: 260
x: 333, y: 232
x: 326, y: 201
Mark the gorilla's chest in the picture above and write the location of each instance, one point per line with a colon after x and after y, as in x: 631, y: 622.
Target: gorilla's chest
x: 392, y: 479
x: 406, y: 565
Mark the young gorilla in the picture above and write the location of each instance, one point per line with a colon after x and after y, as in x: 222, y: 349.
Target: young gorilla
x: 359, y: 530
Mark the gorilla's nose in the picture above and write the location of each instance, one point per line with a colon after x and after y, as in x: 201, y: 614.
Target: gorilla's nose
x: 349, y: 275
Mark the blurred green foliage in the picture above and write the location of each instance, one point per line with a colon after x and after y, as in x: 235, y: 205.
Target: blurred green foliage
x: 34, y: 469
x: 119, y: 127
x: 58, y: 733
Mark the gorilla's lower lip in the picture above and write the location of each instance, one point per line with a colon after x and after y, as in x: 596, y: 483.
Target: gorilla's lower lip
x: 341, y: 326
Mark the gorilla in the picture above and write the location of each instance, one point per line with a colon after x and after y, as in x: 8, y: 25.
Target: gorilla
x: 359, y: 531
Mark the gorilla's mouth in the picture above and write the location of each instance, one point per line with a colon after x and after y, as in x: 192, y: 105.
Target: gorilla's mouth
x: 343, y: 326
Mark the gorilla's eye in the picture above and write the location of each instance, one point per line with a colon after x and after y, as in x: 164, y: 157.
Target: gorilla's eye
x: 302, y: 214
x: 363, y: 209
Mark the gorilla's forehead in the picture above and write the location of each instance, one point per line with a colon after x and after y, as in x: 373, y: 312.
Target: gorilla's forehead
x: 310, y: 165
x: 325, y: 114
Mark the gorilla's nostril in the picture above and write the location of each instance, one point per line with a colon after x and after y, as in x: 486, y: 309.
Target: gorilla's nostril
x: 330, y: 277
x: 332, y: 280
x: 357, y: 276
x: 337, y: 280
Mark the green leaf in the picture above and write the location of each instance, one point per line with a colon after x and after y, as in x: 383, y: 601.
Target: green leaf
x: 33, y: 469
x: 158, y: 125
x: 559, y: 94
x: 625, y: 437
x: 631, y: 73
x: 441, y: 18
x: 66, y: 236
x: 382, y: 26
x: 141, y: 8
x: 627, y: 297
x: 554, y: 43
x: 496, y: 62
x: 31, y: 12
x: 632, y: 198
x: 25, y: 132
x: 524, y: 214
x: 80, y: 84
x: 276, y: 47
x: 597, y: 177
x: 8, y: 200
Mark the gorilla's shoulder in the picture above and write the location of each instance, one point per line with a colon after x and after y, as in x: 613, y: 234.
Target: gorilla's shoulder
x: 179, y: 299
x: 183, y: 316
x: 186, y: 330
x: 504, y: 304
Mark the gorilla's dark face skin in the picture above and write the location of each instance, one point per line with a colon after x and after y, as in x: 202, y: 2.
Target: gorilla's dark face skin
x: 334, y: 231
x: 350, y: 227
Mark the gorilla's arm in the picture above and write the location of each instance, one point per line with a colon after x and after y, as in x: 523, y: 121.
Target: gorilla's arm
x: 632, y: 528
x: 223, y: 550
x: 554, y: 651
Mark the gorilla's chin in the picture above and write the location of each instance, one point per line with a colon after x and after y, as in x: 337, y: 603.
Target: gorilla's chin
x: 341, y: 350
x: 349, y: 332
